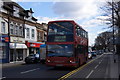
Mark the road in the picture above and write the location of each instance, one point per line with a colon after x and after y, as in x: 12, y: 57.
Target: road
x: 98, y: 67
x: 34, y: 71
x: 101, y: 67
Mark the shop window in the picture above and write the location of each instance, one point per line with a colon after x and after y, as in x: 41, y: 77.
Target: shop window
x: 19, y: 55
x: 3, y: 51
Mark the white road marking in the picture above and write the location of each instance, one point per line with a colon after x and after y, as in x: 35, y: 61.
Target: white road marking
x: 2, y: 78
x: 99, y: 56
x: 108, y: 53
x: 99, y: 62
x: 89, y: 74
x: 29, y: 70
x: 96, y: 66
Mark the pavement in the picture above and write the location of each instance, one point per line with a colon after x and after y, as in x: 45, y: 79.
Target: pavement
x: 4, y: 65
x: 119, y: 65
x: 114, y: 66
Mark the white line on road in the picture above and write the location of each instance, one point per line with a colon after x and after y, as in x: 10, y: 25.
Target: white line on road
x: 89, y: 74
x: 99, y: 62
x: 2, y: 78
x: 99, y: 56
x: 29, y: 70
x: 96, y: 66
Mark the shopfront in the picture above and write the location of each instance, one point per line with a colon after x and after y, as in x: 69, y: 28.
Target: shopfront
x: 18, y: 49
x: 17, y: 52
x: 34, y: 48
x: 4, y: 49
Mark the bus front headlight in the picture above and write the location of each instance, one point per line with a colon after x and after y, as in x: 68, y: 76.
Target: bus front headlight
x: 48, y: 60
x: 72, y: 61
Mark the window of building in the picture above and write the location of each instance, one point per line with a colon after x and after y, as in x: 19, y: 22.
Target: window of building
x: 16, y: 30
x: 11, y: 29
x: 16, y: 12
x: 28, y: 33
x: 33, y: 33
x: 21, y: 31
x: 3, y: 27
x: 41, y: 35
x: 38, y: 35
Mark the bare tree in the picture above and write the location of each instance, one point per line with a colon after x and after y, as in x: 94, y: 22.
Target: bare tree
x: 109, y: 8
x: 112, y: 11
x: 104, y: 41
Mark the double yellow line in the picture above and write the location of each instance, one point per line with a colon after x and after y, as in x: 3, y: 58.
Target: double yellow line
x: 74, y: 71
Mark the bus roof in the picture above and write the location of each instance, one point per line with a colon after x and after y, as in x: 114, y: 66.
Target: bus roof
x: 66, y: 21
x: 61, y: 21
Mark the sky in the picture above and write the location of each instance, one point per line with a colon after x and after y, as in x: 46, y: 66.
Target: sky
x: 85, y: 12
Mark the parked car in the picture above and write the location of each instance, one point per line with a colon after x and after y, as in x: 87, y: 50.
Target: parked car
x: 94, y: 53
x: 32, y: 58
x: 99, y: 52
x: 89, y: 55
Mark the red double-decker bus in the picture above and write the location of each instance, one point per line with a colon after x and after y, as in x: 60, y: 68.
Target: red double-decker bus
x: 67, y: 44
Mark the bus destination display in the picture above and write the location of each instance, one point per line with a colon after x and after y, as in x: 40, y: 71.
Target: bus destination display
x: 60, y: 38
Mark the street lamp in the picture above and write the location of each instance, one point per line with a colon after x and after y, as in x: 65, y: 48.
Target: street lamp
x: 113, y: 31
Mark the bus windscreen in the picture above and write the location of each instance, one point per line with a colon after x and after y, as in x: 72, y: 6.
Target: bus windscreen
x: 62, y: 50
x: 60, y: 32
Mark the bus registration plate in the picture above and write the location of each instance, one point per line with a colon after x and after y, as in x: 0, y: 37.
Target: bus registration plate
x: 59, y: 64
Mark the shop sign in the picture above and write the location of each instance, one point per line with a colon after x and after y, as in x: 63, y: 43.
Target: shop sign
x: 35, y: 45
x: 32, y: 45
x: 17, y: 39
x: 5, y: 39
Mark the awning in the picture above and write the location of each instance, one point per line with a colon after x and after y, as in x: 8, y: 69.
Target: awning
x: 43, y: 46
x: 18, y: 46
x: 34, y: 44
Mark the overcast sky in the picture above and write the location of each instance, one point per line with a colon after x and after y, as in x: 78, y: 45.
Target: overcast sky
x: 85, y: 12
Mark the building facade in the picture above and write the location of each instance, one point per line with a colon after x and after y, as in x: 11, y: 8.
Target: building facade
x: 19, y: 32
x: 16, y: 31
x: 4, y: 45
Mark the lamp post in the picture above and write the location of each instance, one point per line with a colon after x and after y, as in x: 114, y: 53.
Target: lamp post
x: 113, y: 31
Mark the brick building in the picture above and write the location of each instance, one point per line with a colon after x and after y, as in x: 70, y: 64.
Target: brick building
x: 24, y: 35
